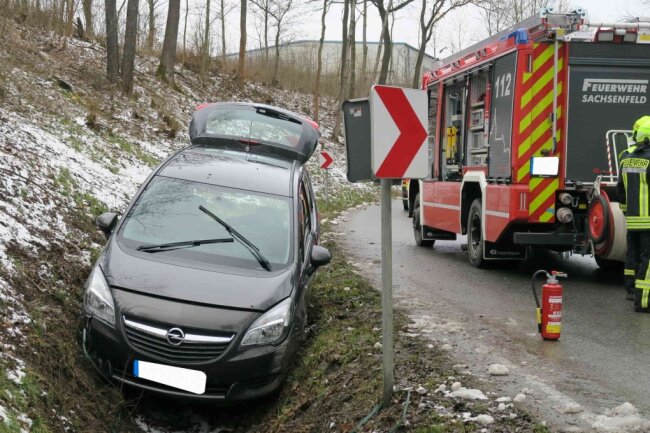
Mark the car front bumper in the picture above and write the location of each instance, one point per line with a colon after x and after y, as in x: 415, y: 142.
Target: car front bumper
x: 237, y: 374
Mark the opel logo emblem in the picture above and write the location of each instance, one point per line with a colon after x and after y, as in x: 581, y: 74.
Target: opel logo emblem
x: 175, y: 336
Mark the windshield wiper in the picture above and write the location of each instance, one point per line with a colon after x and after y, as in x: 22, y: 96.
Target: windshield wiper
x: 241, y: 238
x: 185, y: 244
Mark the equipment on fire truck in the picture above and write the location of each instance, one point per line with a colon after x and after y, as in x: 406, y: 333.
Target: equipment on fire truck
x: 549, y: 313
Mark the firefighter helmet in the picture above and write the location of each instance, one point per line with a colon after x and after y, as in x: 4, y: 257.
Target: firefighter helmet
x: 641, y: 122
x: 642, y: 134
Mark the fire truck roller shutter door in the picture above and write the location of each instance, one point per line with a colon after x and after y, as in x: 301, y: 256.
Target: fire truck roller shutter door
x: 609, y: 84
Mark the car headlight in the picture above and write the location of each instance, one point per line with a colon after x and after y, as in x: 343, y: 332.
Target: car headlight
x: 271, y: 326
x: 98, y: 300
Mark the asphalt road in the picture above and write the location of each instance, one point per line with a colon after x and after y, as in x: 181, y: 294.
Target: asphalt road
x: 488, y: 315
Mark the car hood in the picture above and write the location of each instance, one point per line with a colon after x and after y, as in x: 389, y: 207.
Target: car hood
x: 255, y: 291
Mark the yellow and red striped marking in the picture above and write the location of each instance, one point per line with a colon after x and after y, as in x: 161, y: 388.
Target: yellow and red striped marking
x: 534, y: 132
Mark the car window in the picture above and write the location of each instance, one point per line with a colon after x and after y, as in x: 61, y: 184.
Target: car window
x: 305, y: 218
x: 168, y: 211
x: 310, y: 198
x: 252, y: 125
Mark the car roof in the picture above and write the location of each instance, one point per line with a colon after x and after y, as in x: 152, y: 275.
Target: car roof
x: 233, y: 169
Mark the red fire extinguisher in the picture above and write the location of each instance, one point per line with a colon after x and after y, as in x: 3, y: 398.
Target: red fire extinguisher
x: 549, y: 314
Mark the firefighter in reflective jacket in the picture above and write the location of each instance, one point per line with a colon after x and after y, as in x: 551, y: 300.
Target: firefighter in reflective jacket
x: 633, y: 190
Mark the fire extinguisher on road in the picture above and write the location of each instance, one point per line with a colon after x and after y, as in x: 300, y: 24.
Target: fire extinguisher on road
x: 549, y: 313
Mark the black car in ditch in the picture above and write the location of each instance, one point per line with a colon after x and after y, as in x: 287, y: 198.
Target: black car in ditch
x: 202, y: 288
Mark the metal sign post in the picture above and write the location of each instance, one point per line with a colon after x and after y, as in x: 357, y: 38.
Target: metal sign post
x: 387, y: 290
x: 398, y: 119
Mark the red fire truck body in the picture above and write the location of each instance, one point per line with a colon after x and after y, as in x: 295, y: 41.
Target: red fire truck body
x: 517, y: 131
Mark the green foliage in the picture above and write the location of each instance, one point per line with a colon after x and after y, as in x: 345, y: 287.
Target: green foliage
x: 132, y: 149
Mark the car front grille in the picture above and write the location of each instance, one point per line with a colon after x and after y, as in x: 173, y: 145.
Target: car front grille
x: 196, y: 347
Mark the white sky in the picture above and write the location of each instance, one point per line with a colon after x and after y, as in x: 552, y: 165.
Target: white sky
x: 463, y: 28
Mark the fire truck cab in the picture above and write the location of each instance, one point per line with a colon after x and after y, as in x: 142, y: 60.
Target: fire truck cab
x: 525, y: 129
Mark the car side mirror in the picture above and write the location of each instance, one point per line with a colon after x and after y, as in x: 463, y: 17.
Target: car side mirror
x: 106, y: 223
x: 320, y: 256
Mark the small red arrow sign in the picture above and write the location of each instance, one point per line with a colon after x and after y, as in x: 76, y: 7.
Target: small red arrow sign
x: 325, y: 160
x: 412, y: 133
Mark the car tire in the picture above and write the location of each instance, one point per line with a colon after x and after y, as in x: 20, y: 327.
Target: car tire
x: 417, y: 228
x: 608, y: 265
x: 475, y: 242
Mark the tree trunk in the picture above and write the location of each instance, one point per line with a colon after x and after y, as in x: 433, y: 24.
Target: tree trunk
x: 152, y: 25
x: 168, y: 55
x: 364, y: 60
x: 266, y: 33
x: 206, y: 41
x: 423, y: 46
x: 187, y: 10
x: 130, y: 42
x: 319, y: 66
x: 241, y: 69
x: 344, y: 71
x: 112, y: 48
x: 277, y: 55
x: 223, y: 32
x: 88, y: 17
x: 388, y: 49
x: 69, y: 22
x: 353, y: 49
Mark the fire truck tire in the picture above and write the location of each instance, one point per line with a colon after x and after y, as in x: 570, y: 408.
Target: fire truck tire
x: 608, y: 265
x: 417, y: 228
x: 474, y: 235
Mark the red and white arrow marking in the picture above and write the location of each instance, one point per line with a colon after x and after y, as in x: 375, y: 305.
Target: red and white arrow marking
x: 399, y: 132
x: 325, y: 160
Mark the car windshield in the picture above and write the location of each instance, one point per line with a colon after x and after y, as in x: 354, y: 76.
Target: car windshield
x: 254, y: 125
x: 168, y: 211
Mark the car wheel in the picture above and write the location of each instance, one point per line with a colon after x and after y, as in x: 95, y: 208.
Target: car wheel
x: 417, y: 228
x: 474, y: 235
x: 608, y: 265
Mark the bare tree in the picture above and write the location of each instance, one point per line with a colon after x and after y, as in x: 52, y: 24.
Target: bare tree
x: 205, y: 49
x: 352, y: 80
x: 187, y: 11
x: 364, y: 59
x: 344, y: 71
x: 279, y: 13
x: 88, y: 17
x: 168, y: 55
x: 385, y: 13
x: 224, y: 10
x: 264, y: 9
x: 241, y: 69
x: 130, y: 42
x: 429, y: 17
x: 151, y: 31
x: 112, y: 48
x: 319, y: 62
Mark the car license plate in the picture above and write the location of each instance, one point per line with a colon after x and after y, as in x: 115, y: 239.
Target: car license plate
x: 177, y: 377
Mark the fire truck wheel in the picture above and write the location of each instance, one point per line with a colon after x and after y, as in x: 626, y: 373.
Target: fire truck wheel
x: 474, y: 236
x: 417, y: 229
x: 608, y: 265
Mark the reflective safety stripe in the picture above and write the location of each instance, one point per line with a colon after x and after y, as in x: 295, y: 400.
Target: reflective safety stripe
x: 630, y: 272
x: 644, y: 298
x: 641, y: 284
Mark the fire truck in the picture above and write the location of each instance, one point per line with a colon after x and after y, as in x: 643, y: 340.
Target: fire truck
x: 525, y: 130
